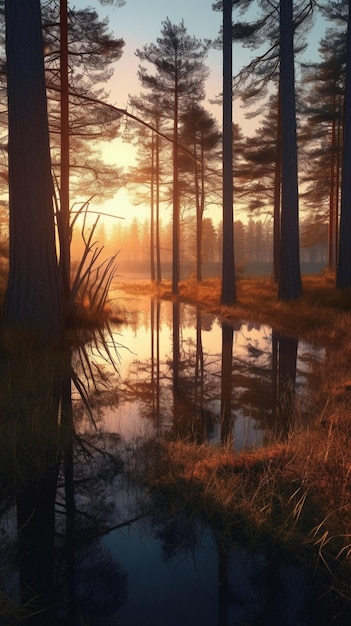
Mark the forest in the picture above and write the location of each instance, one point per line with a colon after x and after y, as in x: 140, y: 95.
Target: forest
x: 175, y: 391
x: 288, y: 175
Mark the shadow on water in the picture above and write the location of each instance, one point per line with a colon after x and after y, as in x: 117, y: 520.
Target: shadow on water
x: 84, y: 544
x: 52, y: 569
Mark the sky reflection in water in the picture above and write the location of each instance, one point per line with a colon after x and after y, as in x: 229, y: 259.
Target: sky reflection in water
x: 179, y: 388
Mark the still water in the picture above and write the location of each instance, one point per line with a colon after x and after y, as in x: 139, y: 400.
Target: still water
x: 114, y: 555
x: 182, y: 372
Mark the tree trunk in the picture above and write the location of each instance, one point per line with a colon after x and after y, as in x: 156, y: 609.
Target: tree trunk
x: 228, y: 296
x: 64, y: 215
x: 198, y: 215
x: 337, y: 179
x: 331, y: 224
x: 152, y: 211
x: 343, y: 278
x: 176, y: 220
x: 290, y: 277
x: 33, y: 296
x: 277, y: 198
x: 158, y: 245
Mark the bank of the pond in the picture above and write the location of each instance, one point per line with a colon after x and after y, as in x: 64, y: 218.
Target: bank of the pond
x: 320, y: 315
x: 291, y: 498
x: 295, y: 493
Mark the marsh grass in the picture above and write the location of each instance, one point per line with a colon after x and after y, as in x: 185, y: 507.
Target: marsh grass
x: 321, y: 314
x: 293, y: 495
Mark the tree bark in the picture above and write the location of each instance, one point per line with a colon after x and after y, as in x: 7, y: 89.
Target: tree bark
x: 176, y: 216
x: 277, y: 198
x: 64, y: 215
x: 343, y: 278
x: 228, y: 296
x: 158, y: 244
x: 152, y: 210
x: 290, y: 277
x: 33, y: 296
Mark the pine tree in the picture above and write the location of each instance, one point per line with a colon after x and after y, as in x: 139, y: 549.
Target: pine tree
x: 32, y: 298
x: 228, y: 294
x: 199, y: 132
x: 343, y: 278
x: 180, y: 73
x: 290, y: 278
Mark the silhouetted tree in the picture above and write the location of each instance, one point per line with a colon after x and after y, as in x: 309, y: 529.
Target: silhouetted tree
x: 228, y: 295
x: 85, y: 46
x: 150, y: 166
x: 322, y: 136
x: 290, y: 278
x: 200, y: 133
x: 180, y: 74
x: 254, y: 80
x: 344, y: 262
x: 33, y: 297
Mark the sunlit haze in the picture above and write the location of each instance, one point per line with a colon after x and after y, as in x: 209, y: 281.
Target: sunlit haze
x: 139, y: 23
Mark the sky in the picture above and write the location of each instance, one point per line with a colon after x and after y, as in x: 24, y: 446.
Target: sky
x: 139, y: 22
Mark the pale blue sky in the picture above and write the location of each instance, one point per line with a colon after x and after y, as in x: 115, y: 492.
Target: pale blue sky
x: 139, y: 23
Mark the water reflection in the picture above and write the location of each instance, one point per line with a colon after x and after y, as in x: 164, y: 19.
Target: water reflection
x: 284, y: 358
x: 91, y: 547
x: 226, y: 383
x: 187, y: 375
x: 46, y: 571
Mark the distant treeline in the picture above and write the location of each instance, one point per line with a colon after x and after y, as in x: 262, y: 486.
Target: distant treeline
x: 253, y: 246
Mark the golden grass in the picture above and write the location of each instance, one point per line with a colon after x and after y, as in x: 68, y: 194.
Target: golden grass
x: 296, y: 493
x: 321, y: 314
x: 293, y: 496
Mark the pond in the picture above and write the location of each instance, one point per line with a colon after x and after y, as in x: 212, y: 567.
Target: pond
x: 95, y: 547
x: 184, y: 373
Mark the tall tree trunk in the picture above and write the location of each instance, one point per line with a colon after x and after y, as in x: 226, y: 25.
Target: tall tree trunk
x: 158, y: 246
x: 343, y: 278
x: 332, y: 197
x: 176, y: 217
x: 277, y: 197
x: 290, y: 277
x: 152, y: 211
x: 201, y: 207
x: 64, y: 216
x: 337, y: 178
x: 228, y: 296
x: 198, y: 216
x: 33, y: 299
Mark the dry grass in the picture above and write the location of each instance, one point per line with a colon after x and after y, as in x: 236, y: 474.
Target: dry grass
x: 293, y: 496
x: 298, y: 493
x: 321, y: 314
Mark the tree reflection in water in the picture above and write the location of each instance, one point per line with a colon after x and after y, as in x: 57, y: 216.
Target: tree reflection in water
x: 284, y: 354
x: 65, y: 475
x: 58, y: 576
x: 213, y: 382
